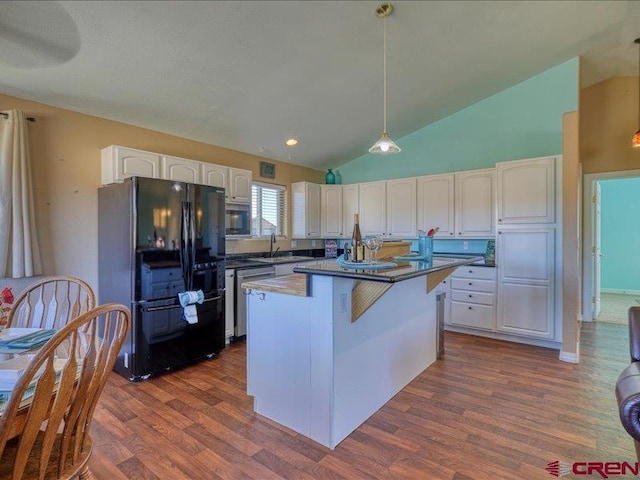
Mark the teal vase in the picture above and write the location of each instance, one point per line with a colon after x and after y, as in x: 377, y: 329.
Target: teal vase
x: 330, y: 178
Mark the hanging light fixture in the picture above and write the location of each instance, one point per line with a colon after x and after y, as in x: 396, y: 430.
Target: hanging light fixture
x: 635, y: 141
x: 384, y: 146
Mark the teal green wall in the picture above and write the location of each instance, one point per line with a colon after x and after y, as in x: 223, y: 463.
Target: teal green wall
x: 620, y: 234
x: 523, y: 121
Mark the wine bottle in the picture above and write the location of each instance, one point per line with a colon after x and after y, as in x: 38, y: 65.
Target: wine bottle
x: 357, y: 246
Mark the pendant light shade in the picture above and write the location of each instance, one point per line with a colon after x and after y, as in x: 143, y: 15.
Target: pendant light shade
x: 635, y: 141
x: 384, y: 146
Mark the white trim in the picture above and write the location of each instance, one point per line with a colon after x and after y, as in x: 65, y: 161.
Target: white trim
x: 569, y: 357
x: 587, y: 237
x: 504, y: 336
x: 620, y: 291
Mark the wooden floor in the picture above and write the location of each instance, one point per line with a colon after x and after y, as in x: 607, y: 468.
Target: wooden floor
x: 488, y: 410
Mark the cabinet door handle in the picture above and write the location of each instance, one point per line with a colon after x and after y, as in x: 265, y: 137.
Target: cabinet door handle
x: 470, y: 308
x: 459, y: 233
x: 470, y: 271
x: 450, y: 233
x: 499, y: 220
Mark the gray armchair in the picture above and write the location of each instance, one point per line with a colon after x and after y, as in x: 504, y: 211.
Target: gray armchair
x: 628, y: 384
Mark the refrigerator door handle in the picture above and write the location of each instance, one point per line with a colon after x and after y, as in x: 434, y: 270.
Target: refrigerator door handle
x: 184, y: 260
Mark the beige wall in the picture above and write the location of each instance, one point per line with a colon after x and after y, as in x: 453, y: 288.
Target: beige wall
x: 65, y: 151
x: 608, y: 120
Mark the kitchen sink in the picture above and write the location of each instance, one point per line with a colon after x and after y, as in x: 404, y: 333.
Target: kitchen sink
x: 285, y: 259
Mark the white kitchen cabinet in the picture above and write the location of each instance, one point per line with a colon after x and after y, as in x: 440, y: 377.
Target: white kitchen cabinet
x: 401, y: 208
x: 306, y: 210
x: 350, y: 206
x: 435, y: 195
x: 526, y: 281
x: 229, y: 296
x: 239, y: 185
x: 475, y: 203
x: 472, y: 297
x: 331, y: 224
x: 180, y: 169
x: 372, y: 202
x: 215, y: 176
x: 118, y: 163
x: 526, y: 191
x: 235, y: 181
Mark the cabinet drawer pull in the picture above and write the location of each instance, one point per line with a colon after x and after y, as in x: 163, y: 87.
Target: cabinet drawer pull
x: 470, y: 296
x: 450, y: 233
x: 470, y: 308
x: 499, y: 219
x: 470, y: 283
x: 470, y: 271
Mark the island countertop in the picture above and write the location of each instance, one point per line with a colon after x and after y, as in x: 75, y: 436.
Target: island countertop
x: 404, y: 270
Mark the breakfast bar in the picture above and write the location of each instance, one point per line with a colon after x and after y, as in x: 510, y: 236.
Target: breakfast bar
x: 329, y: 345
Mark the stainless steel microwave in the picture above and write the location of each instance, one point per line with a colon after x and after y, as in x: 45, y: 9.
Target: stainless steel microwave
x: 238, y: 220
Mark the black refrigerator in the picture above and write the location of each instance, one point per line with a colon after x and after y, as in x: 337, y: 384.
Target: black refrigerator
x: 157, y: 238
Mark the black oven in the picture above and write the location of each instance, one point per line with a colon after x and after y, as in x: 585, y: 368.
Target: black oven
x: 237, y: 220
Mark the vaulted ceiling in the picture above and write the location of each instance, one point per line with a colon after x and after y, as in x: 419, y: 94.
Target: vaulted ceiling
x: 247, y: 75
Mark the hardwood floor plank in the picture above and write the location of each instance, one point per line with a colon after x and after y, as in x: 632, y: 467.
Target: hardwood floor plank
x: 489, y: 410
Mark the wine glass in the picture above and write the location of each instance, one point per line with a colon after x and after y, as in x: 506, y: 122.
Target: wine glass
x: 373, y: 243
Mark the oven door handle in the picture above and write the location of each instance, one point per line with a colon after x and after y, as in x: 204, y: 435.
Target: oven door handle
x: 164, y: 307
x: 211, y: 299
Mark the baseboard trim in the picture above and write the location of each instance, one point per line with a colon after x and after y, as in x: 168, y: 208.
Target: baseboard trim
x: 569, y: 357
x: 620, y: 291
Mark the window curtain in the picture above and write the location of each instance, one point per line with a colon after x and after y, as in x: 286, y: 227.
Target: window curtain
x: 19, y: 251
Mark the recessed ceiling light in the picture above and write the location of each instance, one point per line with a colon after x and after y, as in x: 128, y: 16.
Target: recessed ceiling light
x: 292, y: 142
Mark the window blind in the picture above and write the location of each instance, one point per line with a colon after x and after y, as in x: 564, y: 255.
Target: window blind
x: 268, y: 209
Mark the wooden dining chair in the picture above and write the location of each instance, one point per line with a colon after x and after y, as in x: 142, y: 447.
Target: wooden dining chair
x: 51, y: 303
x: 51, y: 406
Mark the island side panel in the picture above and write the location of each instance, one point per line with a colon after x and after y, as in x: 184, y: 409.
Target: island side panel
x: 377, y: 356
x: 289, y: 360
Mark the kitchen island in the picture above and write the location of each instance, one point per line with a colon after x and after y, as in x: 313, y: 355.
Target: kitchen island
x: 325, y: 350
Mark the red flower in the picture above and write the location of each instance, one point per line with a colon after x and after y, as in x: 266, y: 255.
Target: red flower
x: 6, y: 295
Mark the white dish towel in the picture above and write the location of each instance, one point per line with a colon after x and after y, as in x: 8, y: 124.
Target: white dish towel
x: 188, y: 302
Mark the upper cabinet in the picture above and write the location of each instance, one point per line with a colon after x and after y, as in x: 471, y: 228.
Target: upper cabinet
x: 372, y: 199
x: 350, y: 206
x: 401, y: 208
x: 119, y: 163
x: 180, y: 169
x: 435, y: 195
x: 305, y: 198
x: 475, y: 203
x: 215, y: 176
x: 526, y: 191
x: 331, y: 224
x: 239, y: 185
x: 235, y: 181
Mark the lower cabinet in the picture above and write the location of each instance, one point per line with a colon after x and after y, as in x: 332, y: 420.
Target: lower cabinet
x: 229, y: 310
x: 526, y: 281
x: 472, y: 297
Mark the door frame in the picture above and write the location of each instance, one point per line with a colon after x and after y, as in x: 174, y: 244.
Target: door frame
x: 589, y: 181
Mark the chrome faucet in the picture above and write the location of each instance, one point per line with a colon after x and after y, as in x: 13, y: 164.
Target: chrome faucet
x: 271, y: 244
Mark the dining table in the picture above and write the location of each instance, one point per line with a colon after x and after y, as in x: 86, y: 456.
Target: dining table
x: 11, y: 350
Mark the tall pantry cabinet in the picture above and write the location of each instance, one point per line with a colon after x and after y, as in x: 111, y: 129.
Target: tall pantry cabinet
x: 527, y: 242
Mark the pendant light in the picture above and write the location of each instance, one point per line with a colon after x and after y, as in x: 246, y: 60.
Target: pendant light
x: 384, y: 146
x: 635, y: 141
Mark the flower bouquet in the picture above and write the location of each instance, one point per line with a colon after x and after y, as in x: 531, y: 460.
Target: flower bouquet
x: 6, y: 300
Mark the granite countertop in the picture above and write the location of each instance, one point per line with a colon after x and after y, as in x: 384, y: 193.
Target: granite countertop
x: 403, y: 271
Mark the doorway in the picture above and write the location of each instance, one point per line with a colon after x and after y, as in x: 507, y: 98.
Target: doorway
x: 611, y: 240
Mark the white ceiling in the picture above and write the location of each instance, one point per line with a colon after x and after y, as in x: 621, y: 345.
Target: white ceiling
x: 247, y: 75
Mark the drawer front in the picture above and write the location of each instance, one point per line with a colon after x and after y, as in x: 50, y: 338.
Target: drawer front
x: 469, y: 271
x: 472, y: 297
x: 472, y: 315
x: 473, y: 284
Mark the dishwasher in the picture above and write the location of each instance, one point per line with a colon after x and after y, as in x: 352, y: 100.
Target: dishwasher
x: 242, y: 275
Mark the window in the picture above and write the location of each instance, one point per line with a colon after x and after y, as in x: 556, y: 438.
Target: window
x: 268, y: 209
